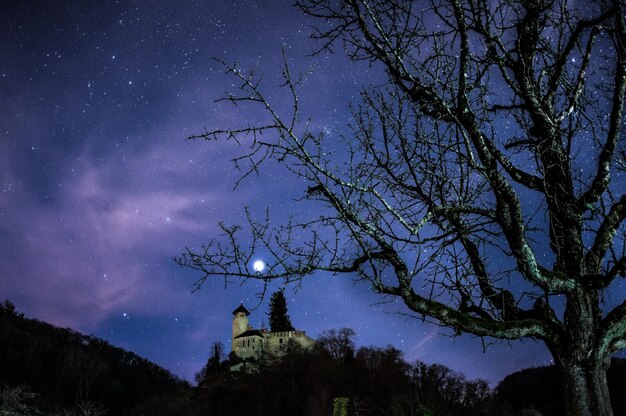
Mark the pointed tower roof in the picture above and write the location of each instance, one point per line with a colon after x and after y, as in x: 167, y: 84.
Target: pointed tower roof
x: 241, y: 309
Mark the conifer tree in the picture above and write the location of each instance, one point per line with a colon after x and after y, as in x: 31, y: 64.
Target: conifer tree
x: 279, y: 320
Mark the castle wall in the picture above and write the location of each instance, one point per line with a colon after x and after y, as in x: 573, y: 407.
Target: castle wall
x: 249, y: 347
x: 260, y: 344
x: 276, y: 342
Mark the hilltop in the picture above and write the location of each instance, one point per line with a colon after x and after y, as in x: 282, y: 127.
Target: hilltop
x: 47, y: 370
x: 68, y: 370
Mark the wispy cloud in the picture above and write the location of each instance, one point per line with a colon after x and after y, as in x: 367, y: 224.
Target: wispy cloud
x: 105, y: 242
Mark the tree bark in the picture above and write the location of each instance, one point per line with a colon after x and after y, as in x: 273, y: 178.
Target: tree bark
x: 585, y: 388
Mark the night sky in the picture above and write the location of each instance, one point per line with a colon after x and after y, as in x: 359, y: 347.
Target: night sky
x: 100, y: 189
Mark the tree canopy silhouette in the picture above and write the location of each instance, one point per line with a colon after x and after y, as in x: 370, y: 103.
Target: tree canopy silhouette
x: 482, y: 185
x: 279, y: 319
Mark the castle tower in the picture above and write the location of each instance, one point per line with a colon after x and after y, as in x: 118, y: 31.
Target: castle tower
x: 240, y: 323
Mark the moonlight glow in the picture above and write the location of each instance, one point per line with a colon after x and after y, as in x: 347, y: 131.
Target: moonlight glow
x: 258, y: 266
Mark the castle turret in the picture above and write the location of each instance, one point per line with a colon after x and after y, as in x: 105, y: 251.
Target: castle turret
x: 240, y: 323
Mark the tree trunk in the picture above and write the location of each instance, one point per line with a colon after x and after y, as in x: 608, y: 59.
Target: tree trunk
x: 585, y: 388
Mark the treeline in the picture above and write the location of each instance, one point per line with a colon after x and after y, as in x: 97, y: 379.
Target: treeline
x: 47, y: 370
x: 369, y: 380
x: 58, y: 369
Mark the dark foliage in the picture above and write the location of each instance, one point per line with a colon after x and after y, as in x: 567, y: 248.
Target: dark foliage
x: 375, y: 381
x: 338, y: 344
x: 540, y: 389
x: 214, y: 365
x: 279, y: 319
x: 65, y: 368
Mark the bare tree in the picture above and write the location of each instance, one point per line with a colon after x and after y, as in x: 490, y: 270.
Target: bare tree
x: 338, y: 343
x: 476, y: 185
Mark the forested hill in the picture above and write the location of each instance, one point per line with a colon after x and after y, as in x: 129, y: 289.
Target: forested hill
x: 72, y: 374
x: 540, y: 388
x: 67, y: 370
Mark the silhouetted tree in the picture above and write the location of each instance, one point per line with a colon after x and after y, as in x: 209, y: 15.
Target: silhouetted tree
x: 7, y: 307
x: 445, y: 392
x: 213, y: 365
x: 339, y: 344
x: 476, y: 186
x: 279, y: 319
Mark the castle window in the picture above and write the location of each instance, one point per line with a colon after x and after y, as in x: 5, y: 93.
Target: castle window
x: 280, y: 340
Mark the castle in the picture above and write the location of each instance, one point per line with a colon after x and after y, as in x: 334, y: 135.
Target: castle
x: 257, y: 344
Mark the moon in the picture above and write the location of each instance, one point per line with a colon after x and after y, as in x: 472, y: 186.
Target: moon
x: 258, y: 266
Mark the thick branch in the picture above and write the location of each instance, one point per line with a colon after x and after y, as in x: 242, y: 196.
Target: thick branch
x: 613, y: 330
x: 605, y: 234
x: 456, y: 319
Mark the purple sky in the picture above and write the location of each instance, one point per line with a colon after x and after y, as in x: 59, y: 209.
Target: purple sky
x: 100, y: 190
